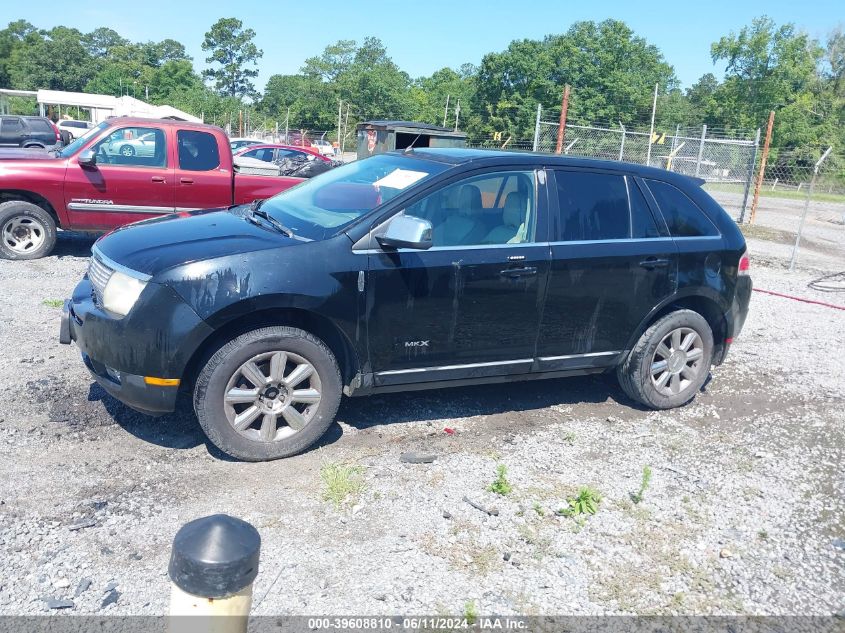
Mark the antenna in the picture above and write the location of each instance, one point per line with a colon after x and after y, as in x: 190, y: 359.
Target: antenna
x: 410, y: 147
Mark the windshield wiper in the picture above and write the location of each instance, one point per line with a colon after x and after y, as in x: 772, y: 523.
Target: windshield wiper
x: 255, y: 209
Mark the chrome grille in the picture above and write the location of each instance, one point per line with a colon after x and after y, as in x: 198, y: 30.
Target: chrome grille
x: 99, y: 275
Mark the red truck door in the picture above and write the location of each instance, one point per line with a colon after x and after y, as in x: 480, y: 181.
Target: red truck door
x: 132, y: 179
x: 203, y: 176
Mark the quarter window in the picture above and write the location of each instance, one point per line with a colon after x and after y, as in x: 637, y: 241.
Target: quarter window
x: 682, y: 215
x: 593, y: 206
x: 197, y: 150
x: 495, y: 208
x: 135, y: 146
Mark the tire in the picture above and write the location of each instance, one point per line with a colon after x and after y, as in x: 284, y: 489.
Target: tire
x: 646, y: 367
x: 225, y: 373
x: 26, y: 231
x: 127, y: 150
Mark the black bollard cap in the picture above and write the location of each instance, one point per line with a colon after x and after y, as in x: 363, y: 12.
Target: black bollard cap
x: 215, y: 556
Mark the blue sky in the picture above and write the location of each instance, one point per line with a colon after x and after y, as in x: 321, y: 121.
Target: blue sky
x: 423, y: 36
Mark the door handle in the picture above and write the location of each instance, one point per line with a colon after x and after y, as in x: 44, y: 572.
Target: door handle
x: 654, y: 262
x: 158, y: 179
x: 516, y: 273
x: 186, y: 181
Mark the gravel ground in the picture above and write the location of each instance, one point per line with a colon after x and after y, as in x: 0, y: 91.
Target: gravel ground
x: 744, y: 513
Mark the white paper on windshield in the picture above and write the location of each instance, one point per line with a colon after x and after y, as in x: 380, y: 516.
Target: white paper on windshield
x: 400, y: 179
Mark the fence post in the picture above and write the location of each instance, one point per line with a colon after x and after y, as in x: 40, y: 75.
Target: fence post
x: 651, y: 130
x: 213, y: 563
x: 750, y: 177
x: 700, y: 150
x: 762, y: 173
x: 806, y: 208
x: 622, y: 144
x: 537, y: 128
x: 561, y: 129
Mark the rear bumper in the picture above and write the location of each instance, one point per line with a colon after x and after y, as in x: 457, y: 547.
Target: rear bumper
x: 735, y: 317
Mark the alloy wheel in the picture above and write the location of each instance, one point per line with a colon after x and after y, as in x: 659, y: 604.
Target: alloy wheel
x: 272, y: 396
x: 677, y: 361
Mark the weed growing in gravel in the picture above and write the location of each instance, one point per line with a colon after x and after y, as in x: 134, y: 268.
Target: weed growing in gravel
x: 644, y: 484
x: 501, y: 485
x: 470, y: 614
x: 539, y: 509
x: 53, y: 303
x: 341, y: 482
x: 585, y: 502
x: 568, y: 436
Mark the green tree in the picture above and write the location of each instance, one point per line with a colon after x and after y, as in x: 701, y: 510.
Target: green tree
x: 771, y: 68
x: 232, y: 47
x: 56, y: 59
x: 612, y: 72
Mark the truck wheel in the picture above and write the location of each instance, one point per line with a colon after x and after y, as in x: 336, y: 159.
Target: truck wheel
x: 670, y: 361
x: 267, y: 394
x: 26, y: 231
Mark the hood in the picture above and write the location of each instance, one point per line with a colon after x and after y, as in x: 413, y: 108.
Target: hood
x: 152, y: 246
x: 18, y: 153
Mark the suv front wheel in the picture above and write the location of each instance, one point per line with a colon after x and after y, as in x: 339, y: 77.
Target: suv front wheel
x: 267, y: 394
x: 670, y: 361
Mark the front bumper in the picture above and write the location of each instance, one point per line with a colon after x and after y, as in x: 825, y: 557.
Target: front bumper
x: 156, y: 339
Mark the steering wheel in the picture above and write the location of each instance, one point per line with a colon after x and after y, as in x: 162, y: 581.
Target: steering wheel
x: 102, y: 155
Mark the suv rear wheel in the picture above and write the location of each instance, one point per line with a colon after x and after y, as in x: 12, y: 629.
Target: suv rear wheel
x: 26, y: 231
x: 670, y: 361
x: 267, y: 394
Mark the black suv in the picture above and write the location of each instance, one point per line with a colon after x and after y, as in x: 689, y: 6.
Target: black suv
x: 35, y: 132
x: 414, y: 270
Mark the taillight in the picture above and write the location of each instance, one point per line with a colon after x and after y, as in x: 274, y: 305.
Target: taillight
x: 56, y: 130
x: 744, y: 264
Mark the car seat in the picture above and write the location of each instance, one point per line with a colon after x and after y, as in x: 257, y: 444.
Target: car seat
x: 513, y: 229
x: 463, y: 226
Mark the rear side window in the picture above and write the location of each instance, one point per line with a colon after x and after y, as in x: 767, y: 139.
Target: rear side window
x: 40, y: 125
x: 12, y: 125
x: 593, y: 206
x: 197, y: 150
x: 682, y: 215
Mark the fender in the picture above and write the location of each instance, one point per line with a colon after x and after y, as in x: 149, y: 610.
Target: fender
x: 698, y: 292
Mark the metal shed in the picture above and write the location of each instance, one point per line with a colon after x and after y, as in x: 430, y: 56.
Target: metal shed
x: 377, y: 137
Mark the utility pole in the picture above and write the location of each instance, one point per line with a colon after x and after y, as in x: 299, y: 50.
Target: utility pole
x: 762, y: 172
x: 537, y: 128
x: 345, y: 129
x: 339, y: 118
x: 287, y: 122
x: 446, y: 111
x: 561, y: 128
x: 651, y: 132
x: 457, y: 114
x: 240, y: 122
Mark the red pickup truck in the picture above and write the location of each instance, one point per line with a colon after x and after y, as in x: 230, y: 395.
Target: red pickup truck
x: 123, y: 170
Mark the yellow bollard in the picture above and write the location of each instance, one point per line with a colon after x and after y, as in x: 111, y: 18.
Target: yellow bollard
x: 213, y: 563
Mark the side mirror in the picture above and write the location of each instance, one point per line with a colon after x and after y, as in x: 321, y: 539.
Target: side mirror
x: 407, y: 231
x: 87, y: 158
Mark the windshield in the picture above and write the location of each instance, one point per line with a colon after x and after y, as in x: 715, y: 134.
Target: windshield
x: 70, y: 150
x: 323, y: 205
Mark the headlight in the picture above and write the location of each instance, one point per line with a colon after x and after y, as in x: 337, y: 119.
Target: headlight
x: 121, y: 293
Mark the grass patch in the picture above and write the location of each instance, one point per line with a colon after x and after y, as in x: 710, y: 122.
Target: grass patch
x: 766, y: 192
x: 341, y: 483
x: 470, y: 612
x: 501, y: 485
x: 585, y: 502
x: 53, y: 303
x: 644, y: 484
